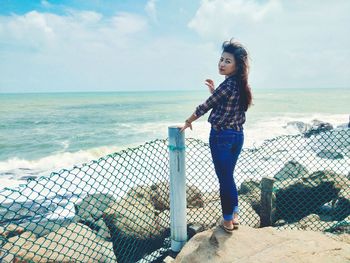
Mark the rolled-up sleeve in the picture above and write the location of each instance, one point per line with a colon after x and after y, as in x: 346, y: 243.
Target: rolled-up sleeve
x: 218, y: 95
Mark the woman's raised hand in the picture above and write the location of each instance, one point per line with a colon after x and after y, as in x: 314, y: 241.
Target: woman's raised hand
x: 210, y: 84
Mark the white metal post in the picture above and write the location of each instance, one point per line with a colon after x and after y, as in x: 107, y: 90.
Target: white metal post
x: 178, y: 222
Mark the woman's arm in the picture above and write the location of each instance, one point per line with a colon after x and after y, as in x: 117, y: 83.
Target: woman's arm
x: 188, y: 122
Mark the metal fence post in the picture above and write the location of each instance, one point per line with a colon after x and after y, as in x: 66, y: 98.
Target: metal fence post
x: 178, y: 223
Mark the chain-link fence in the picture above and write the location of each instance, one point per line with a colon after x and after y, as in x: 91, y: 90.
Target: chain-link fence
x: 117, y: 208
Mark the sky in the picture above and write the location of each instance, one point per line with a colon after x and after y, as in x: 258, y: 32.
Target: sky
x: 120, y: 45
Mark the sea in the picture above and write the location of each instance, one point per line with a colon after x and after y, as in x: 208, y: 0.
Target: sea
x: 41, y: 133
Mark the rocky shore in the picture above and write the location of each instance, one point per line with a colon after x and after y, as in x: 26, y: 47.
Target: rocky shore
x: 106, y: 228
x: 109, y: 230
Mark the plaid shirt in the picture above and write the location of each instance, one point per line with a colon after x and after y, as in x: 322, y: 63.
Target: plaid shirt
x: 224, y: 101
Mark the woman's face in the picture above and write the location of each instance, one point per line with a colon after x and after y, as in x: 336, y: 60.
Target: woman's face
x: 227, y: 64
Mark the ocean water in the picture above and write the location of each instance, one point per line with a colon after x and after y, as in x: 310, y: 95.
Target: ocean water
x: 43, y: 133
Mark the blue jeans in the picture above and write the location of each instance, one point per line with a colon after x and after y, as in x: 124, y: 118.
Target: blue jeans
x: 225, y: 147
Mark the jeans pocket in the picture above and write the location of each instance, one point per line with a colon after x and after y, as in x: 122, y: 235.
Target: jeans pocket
x: 225, y: 141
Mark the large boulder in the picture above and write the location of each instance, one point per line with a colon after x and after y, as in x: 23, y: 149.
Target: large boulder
x: 313, y: 222
x: 291, y: 170
x: 250, y: 192
x: 205, y: 216
x: 11, y: 230
x: 133, y: 217
x: 73, y: 243
x: 341, y: 206
x: 248, y: 187
x: 330, y: 154
x: 263, y: 245
x: 134, y: 227
x: 341, y: 227
x: 16, y: 211
x: 318, y: 127
x: 247, y: 214
x: 300, y: 126
x: 93, y: 206
x: 297, y: 198
x: 160, y: 196
x: 332, y: 145
x: 90, y: 212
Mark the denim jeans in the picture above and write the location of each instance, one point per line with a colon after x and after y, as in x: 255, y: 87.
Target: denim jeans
x: 225, y: 147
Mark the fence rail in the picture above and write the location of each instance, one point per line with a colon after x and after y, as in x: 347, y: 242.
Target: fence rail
x: 118, y: 208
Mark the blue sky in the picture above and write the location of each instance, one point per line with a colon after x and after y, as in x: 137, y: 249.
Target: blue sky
x: 109, y: 45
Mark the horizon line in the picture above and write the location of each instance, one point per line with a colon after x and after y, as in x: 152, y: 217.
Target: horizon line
x: 155, y: 90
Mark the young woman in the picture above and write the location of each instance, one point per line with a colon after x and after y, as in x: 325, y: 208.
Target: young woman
x: 228, y: 102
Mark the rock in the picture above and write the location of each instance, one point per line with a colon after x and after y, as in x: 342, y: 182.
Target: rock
x: 163, y: 219
x: 93, y: 206
x: 342, y: 204
x: 205, y: 216
x: 263, y: 245
x: 279, y: 223
x: 194, y: 229
x: 76, y: 242
x: 344, y: 125
x: 303, y: 196
x: 168, y: 259
x: 43, y: 227
x: 248, y: 187
x: 331, y: 143
x: 299, y: 125
x: 313, y: 222
x: 317, y: 128
x: 250, y: 192
x: 15, y: 211
x: 247, y: 215
x: 160, y: 196
x: 290, y: 170
x: 330, y: 155
x: 132, y: 217
x: 210, y: 196
x: 194, y: 197
x: 11, y: 230
x: 134, y: 228
x: 103, y: 230
x: 341, y: 227
x: 3, y: 240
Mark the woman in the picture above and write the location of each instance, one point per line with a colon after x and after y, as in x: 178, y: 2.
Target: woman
x: 228, y: 102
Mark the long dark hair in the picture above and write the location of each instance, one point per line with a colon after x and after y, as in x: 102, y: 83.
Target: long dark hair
x: 242, y: 69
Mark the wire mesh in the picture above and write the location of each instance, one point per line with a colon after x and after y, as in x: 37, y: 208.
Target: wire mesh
x: 116, y: 209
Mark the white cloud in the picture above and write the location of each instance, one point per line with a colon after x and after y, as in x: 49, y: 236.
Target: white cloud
x: 46, y: 4
x: 88, y: 51
x: 219, y: 18
x: 292, y: 43
x: 42, y: 30
x: 126, y: 23
x: 44, y: 51
x: 151, y: 9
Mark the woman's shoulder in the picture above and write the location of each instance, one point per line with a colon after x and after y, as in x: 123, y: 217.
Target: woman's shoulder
x: 231, y: 82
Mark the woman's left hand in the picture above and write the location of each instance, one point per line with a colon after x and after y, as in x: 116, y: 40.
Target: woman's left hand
x: 187, y: 124
x: 210, y: 84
